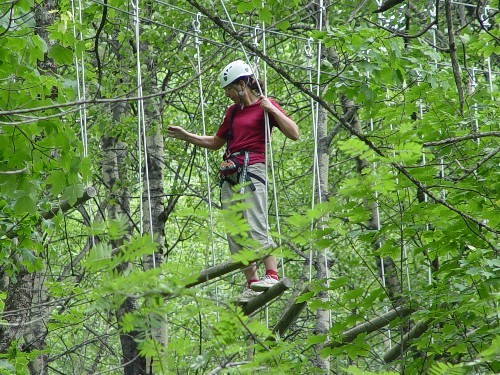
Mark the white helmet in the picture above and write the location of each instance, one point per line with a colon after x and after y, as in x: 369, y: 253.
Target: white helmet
x: 233, y: 71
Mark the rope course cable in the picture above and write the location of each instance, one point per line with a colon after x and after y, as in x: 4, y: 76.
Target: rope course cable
x: 80, y: 81
x: 197, y: 42
x: 141, y: 128
x: 81, y: 92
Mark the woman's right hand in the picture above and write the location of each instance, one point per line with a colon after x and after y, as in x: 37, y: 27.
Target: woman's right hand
x: 177, y: 132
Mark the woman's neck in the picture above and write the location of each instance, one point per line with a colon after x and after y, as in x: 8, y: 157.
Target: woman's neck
x: 249, y: 98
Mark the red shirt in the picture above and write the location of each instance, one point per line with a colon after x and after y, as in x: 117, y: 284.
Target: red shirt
x: 248, y: 130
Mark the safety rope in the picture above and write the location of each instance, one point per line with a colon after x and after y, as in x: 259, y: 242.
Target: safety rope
x: 309, y: 67
x: 271, y: 157
x: 197, y: 42
x: 141, y: 128
x: 82, y: 94
x: 80, y: 82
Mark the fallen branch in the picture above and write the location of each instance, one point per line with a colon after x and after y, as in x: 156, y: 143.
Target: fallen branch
x: 291, y: 314
x: 370, y: 326
x: 400, y: 348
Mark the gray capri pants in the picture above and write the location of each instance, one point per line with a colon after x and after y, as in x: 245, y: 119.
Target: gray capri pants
x: 255, y: 215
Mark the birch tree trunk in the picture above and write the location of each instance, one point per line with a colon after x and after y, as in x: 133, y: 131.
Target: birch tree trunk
x: 321, y: 260
x: 35, y: 331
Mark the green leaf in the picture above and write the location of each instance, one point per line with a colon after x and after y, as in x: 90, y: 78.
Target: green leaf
x: 304, y: 297
x: 245, y: 6
x: 440, y: 368
x: 316, y: 339
x: 40, y: 47
x: 57, y: 181
x: 339, y: 282
x: 284, y: 25
x: 118, y: 228
x: 25, y: 204
x: 265, y: 15
x: 493, y: 351
x: 61, y: 55
x: 73, y: 192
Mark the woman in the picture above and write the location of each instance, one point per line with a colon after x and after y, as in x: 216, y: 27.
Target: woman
x: 243, y: 131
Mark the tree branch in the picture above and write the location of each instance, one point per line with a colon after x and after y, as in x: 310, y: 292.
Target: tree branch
x: 291, y: 314
x: 370, y: 326
x: 462, y: 138
x: 453, y: 55
x: 64, y: 206
x: 400, y: 348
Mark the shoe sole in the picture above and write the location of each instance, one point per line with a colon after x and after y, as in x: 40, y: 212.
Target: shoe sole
x: 260, y: 288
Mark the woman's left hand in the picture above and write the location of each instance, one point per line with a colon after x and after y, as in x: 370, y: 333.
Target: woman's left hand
x: 266, y: 104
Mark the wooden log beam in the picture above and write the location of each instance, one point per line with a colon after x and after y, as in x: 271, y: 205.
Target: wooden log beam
x: 64, y: 206
x: 267, y: 296
x: 400, y: 348
x: 216, y: 271
x: 291, y: 314
x: 370, y: 326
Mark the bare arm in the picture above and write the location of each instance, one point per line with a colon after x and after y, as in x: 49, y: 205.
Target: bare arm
x: 287, y: 126
x: 211, y: 142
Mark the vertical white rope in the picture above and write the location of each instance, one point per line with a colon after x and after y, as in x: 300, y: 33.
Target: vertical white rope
x: 196, y: 25
x: 318, y: 92
x: 139, y: 143
x: 197, y: 42
x: 309, y: 67
x: 268, y: 144
x: 475, y: 127
x: 271, y: 156
x: 84, y: 89
x: 316, y: 176
x: 377, y: 211
x: 82, y: 93
x: 81, y: 90
x: 442, y: 175
x: 141, y: 121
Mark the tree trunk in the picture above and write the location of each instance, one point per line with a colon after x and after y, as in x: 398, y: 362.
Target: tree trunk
x: 153, y: 192
x: 32, y: 287
x: 323, y: 316
x: 113, y: 163
x: 321, y: 260
x: 17, y: 309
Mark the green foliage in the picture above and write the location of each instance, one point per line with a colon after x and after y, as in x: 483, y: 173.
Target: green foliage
x: 406, y: 100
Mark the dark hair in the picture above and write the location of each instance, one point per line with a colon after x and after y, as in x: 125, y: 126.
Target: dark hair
x: 251, y: 82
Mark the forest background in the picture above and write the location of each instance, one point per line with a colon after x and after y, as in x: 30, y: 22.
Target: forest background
x: 386, y: 209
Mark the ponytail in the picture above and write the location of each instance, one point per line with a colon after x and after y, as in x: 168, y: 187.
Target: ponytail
x: 251, y: 82
x: 255, y: 87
